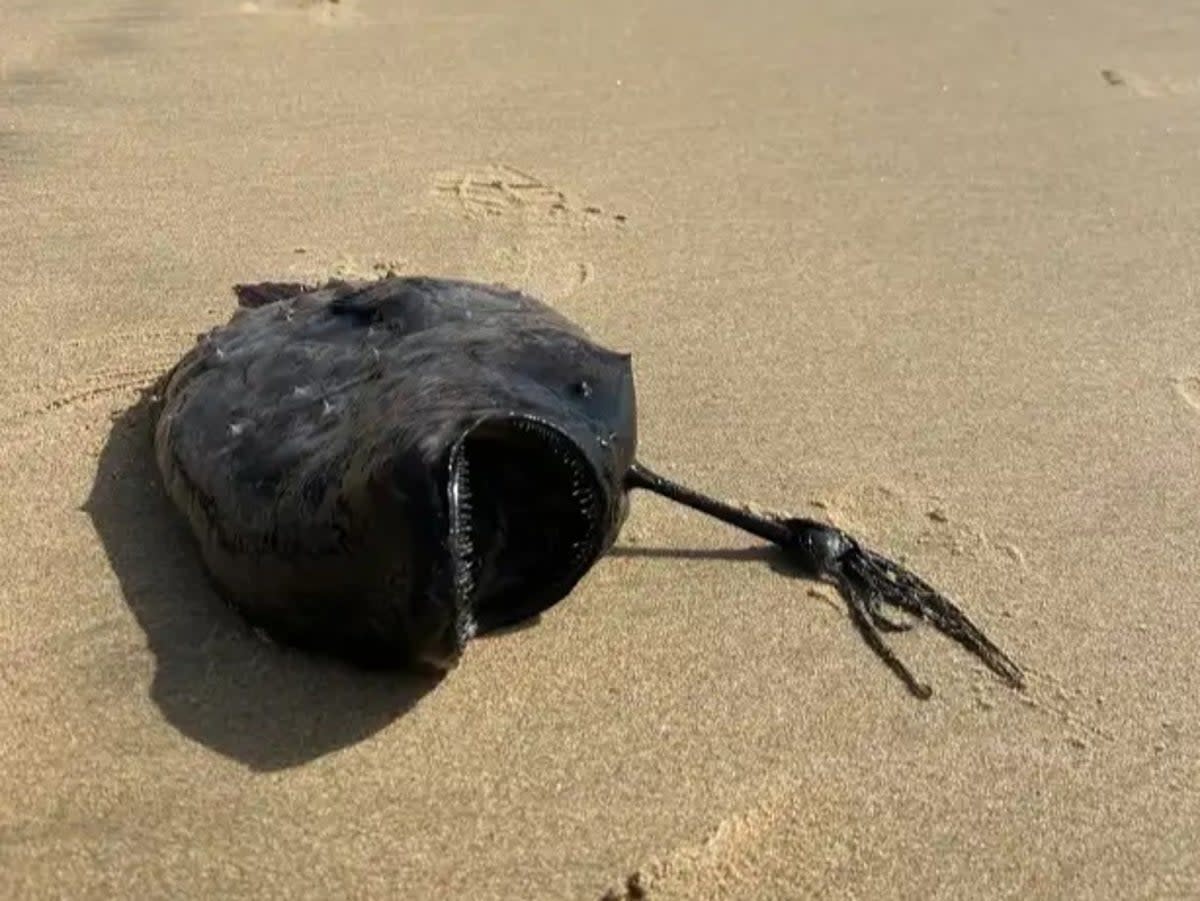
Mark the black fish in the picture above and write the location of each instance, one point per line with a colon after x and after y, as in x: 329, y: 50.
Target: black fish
x: 382, y: 470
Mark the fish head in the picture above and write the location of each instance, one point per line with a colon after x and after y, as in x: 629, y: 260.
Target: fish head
x: 534, y: 480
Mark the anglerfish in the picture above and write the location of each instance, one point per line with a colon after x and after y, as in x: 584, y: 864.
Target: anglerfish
x: 380, y: 471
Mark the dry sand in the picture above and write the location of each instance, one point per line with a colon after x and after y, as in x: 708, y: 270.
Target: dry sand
x: 923, y: 263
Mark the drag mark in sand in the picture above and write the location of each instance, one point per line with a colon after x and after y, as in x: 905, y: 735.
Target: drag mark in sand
x: 71, y: 393
x: 123, y: 339
x: 97, y: 366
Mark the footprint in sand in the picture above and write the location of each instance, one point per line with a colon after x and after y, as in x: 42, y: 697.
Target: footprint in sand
x: 705, y: 863
x: 505, y: 191
x: 1188, y: 389
x: 542, y: 237
x: 1151, y: 86
x: 322, y: 12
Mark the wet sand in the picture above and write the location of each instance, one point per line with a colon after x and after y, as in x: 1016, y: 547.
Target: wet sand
x: 928, y: 269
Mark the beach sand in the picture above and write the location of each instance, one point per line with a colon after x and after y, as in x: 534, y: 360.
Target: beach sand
x: 929, y: 269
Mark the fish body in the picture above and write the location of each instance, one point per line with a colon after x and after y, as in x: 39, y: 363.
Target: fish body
x: 380, y: 470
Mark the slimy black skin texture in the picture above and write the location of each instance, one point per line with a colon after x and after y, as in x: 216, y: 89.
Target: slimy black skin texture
x: 382, y: 470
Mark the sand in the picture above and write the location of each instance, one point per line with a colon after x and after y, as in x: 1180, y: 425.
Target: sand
x: 926, y: 268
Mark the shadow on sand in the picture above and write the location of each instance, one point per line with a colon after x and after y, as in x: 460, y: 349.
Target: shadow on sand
x: 775, y: 558
x: 215, y: 680
x: 762, y: 552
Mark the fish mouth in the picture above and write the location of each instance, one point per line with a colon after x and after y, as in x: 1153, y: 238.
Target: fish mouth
x: 526, y: 514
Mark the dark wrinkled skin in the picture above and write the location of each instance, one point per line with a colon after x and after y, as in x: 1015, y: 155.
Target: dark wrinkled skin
x: 319, y: 445
x: 307, y: 441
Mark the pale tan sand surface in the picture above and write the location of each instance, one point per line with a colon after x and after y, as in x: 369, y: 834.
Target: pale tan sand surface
x: 920, y: 263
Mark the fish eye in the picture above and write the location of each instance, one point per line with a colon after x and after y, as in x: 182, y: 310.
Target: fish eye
x: 582, y: 388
